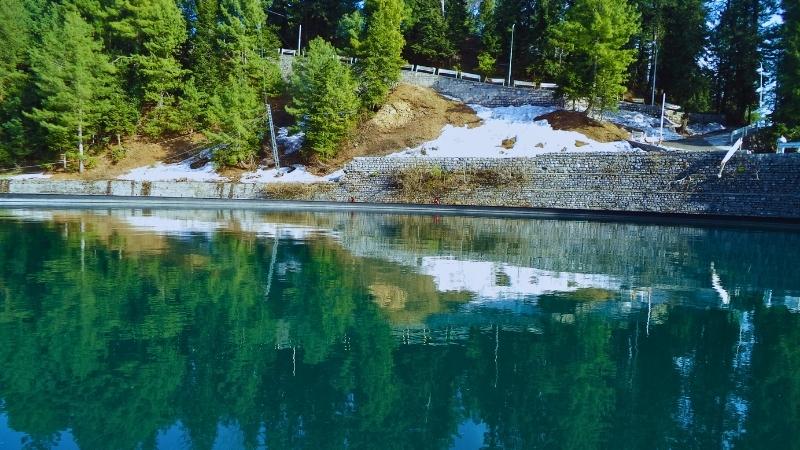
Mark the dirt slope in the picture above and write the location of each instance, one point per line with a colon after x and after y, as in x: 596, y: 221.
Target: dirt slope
x: 412, y: 115
x: 593, y: 129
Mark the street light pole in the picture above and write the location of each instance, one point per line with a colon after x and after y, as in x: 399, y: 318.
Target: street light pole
x: 511, y: 53
x: 299, y: 37
x: 761, y: 88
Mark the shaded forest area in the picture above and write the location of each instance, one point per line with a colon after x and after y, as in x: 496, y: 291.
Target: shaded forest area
x: 79, y: 76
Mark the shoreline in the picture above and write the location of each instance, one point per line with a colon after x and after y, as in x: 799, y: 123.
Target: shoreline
x: 58, y: 201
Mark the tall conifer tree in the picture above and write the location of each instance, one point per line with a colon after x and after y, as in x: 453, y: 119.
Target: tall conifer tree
x: 788, y: 89
x: 74, y: 80
x: 594, y: 37
x: 381, y: 51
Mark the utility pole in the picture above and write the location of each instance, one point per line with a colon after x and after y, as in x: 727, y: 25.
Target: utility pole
x: 761, y: 89
x: 299, y: 38
x: 511, y: 53
x: 655, y: 68
x: 663, y: 111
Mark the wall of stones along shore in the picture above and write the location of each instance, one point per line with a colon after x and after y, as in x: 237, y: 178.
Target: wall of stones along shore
x: 676, y: 183
x: 683, y: 183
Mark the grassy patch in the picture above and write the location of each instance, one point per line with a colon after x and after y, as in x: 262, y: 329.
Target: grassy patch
x: 297, y: 191
x: 425, y: 183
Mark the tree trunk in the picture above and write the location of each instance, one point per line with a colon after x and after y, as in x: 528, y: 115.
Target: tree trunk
x: 80, y: 147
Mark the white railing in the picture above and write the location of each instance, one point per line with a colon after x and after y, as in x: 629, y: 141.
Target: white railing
x: 783, y: 146
x: 451, y: 73
x: 447, y: 73
x: 745, y: 131
x: 470, y: 76
x: 523, y: 84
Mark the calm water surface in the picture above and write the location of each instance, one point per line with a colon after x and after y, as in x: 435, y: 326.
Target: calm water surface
x: 179, y: 329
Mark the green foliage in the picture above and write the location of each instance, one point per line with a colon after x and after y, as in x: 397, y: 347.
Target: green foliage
x: 148, y: 34
x: 74, y: 80
x: 427, y: 36
x: 486, y: 64
x: 381, y: 51
x: 15, y: 35
x: 594, y: 37
x: 735, y: 50
x: 237, y: 108
x: 788, y: 91
x: 324, y: 98
x: 235, y: 111
x: 350, y: 31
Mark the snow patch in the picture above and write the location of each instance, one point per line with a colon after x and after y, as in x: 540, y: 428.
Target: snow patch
x: 294, y: 174
x: 704, y: 128
x: 291, y: 144
x: 181, y: 171
x: 516, y: 126
x: 650, y: 125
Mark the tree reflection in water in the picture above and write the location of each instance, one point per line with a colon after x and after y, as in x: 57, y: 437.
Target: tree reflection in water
x: 289, y: 330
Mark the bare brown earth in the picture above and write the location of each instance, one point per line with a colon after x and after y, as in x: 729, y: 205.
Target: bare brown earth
x: 579, y: 122
x: 138, y: 154
x: 411, y: 116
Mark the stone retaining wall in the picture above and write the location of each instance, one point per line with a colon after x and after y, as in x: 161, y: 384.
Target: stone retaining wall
x: 474, y: 92
x: 677, y: 183
x: 671, y: 183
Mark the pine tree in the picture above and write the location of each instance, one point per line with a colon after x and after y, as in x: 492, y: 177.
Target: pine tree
x: 680, y: 74
x: 461, y: 32
x: 350, y: 32
x: 246, y: 55
x: 787, y: 111
x: 236, y: 114
x: 489, y: 40
x: 736, y: 52
x: 324, y: 98
x: 73, y: 78
x: 381, y: 51
x: 594, y: 37
x: 15, y: 34
x: 148, y: 35
x: 427, y: 36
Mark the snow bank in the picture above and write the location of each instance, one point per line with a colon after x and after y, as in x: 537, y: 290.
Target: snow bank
x: 291, y: 144
x: 516, y: 126
x: 704, y: 128
x: 180, y: 171
x: 294, y: 174
x: 650, y: 125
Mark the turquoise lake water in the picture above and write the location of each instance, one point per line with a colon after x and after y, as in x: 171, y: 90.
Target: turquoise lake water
x: 229, y: 329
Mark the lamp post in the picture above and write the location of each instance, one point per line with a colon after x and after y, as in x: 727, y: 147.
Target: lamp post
x: 761, y: 87
x: 511, y: 53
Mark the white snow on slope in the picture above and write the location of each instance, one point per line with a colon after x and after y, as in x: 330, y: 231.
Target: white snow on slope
x: 703, y: 128
x: 295, y: 174
x: 650, y: 125
x: 290, y: 144
x: 180, y: 171
x: 514, y: 122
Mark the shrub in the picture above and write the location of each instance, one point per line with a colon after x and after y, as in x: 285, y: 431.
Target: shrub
x: 324, y: 98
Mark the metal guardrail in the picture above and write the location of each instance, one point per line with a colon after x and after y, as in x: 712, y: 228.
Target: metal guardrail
x: 745, y: 131
x: 451, y: 73
x: 783, y: 146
